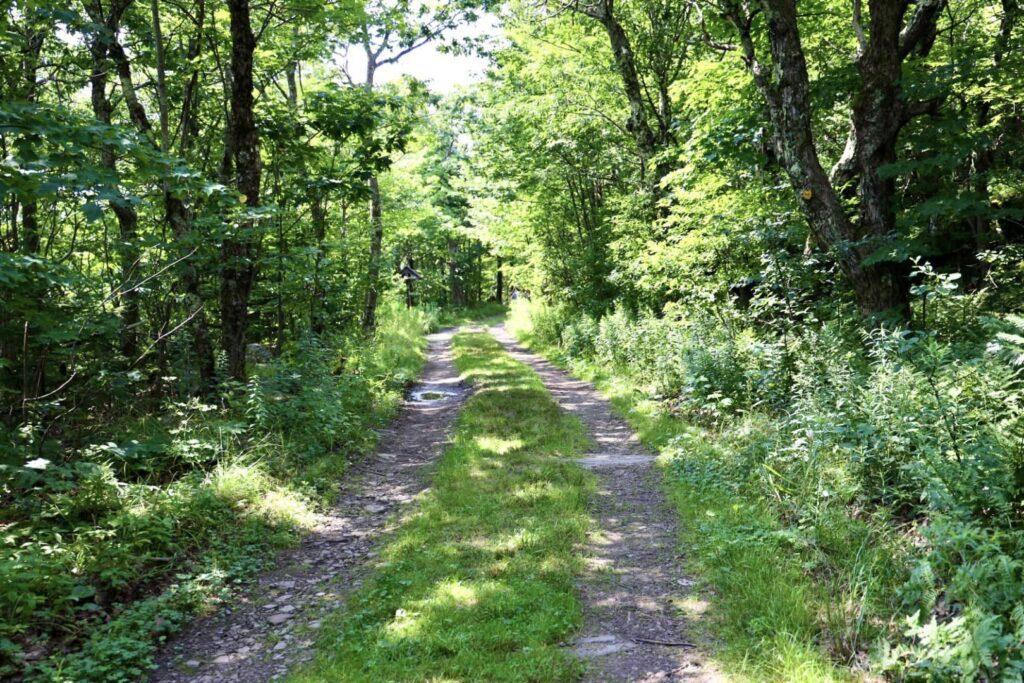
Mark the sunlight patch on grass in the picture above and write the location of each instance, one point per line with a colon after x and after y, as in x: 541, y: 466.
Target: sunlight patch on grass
x: 497, y: 445
x: 480, y: 584
x: 248, y: 487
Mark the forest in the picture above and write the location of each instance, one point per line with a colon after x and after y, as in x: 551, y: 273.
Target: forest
x: 784, y: 239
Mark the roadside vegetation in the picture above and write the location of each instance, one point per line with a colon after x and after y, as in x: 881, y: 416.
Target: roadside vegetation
x: 850, y: 510
x: 478, y: 583
x: 107, y: 554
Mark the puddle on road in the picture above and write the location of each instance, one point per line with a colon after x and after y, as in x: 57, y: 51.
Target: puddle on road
x: 430, y: 395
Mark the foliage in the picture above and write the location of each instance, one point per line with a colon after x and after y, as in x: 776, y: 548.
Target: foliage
x: 99, y: 565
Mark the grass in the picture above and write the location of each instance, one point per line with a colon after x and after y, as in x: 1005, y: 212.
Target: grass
x: 765, y: 613
x: 478, y: 583
x: 487, y: 313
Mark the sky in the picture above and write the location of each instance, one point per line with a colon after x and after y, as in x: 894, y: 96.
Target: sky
x: 444, y: 72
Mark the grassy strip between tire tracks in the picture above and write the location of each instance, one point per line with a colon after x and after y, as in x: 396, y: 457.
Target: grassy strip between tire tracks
x: 478, y: 582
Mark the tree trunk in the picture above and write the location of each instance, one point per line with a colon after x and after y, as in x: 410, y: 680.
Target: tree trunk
x: 31, y: 241
x: 376, y: 241
x: 499, y: 284
x: 458, y: 295
x: 127, y: 218
x: 318, y: 211
x: 376, y: 219
x: 177, y: 213
x: 238, y: 248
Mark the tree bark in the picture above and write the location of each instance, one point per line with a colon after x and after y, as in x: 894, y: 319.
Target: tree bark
x: 238, y: 248
x: 318, y: 211
x: 455, y: 284
x: 376, y: 242
x: 878, y: 116
x: 31, y: 241
x: 369, y: 321
x: 499, y: 282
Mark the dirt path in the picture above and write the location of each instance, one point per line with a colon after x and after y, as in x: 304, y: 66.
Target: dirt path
x: 634, y: 570
x: 272, y: 627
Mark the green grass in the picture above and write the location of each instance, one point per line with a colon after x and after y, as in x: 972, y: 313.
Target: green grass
x: 478, y: 583
x: 487, y: 313
x: 766, y: 616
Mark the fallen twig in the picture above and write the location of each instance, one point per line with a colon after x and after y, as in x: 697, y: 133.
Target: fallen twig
x: 666, y: 643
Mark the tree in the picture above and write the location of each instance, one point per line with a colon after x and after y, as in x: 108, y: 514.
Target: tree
x: 107, y: 25
x: 879, y: 112
x: 649, y: 41
x: 239, y: 249
x: 391, y: 30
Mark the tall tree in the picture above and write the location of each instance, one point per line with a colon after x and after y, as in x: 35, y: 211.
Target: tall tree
x: 239, y: 249
x: 392, y: 30
x: 33, y: 45
x: 107, y: 24
x: 649, y: 42
x: 176, y: 212
x: 879, y: 111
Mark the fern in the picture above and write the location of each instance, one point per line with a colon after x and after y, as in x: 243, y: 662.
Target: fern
x: 1010, y: 343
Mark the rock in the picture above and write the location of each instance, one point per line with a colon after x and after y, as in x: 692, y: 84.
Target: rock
x: 288, y: 608
x: 280, y: 646
x: 375, y: 508
x: 279, y: 618
x: 223, y: 659
x: 193, y: 664
x: 287, y: 585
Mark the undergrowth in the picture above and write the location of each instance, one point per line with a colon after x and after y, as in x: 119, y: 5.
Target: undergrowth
x: 111, y: 546
x: 851, y: 502
x: 478, y: 583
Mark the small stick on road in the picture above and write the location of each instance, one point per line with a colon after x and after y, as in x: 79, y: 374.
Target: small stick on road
x: 676, y: 643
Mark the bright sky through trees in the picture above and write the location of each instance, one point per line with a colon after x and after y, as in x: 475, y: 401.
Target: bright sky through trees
x: 443, y: 71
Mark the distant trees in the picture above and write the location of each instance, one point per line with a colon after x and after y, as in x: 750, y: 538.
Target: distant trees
x: 390, y: 31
